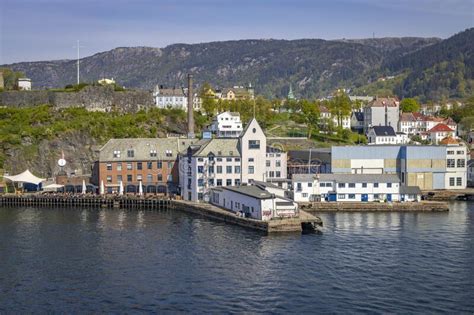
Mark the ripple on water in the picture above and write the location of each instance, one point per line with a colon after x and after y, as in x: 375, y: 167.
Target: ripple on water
x: 67, y: 260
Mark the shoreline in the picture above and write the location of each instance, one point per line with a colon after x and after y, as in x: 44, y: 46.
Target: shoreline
x: 423, y: 206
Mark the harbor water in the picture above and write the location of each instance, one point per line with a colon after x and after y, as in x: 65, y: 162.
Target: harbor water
x: 110, y: 260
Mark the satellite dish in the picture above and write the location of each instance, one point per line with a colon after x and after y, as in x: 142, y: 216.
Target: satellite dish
x: 62, y: 162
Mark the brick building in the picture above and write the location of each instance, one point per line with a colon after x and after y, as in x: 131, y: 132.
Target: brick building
x: 152, y: 161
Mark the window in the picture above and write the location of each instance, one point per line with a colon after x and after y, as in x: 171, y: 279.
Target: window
x: 130, y: 153
x: 153, y: 153
x: 119, y: 166
x: 160, y: 177
x: 272, y: 174
x: 278, y: 174
x: 170, y: 165
x: 129, y: 166
x: 200, y: 196
x: 458, y: 181
x: 210, y: 181
x: 116, y: 154
x: 211, y: 157
x: 352, y: 196
x: 119, y: 178
x: 268, y: 163
x: 299, y: 187
x: 341, y: 196
x: 278, y: 163
x: 237, y: 182
x: 149, y: 178
x: 229, y: 159
x: 450, y: 152
x: 451, y: 181
x: 129, y: 178
x: 328, y: 184
x: 341, y: 185
x: 460, y: 152
x: 461, y: 163
x: 352, y: 185
x: 219, y: 169
x: 376, y: 196
x: 139, y: 177
x: 310, y: 184
x: 149, y: 165
x: 200, y: 169
x: 139, y: 165
x: 376, y: 185
x: 200, y: 182
x: 159, y: 164
x: 364, y: 185
x: 237, y: 159
x: 169, y: 153
x: 109, y: 179
x: 305, y: 195
x: 109, y: 166
x: 200, y: 159
x: 237, y: 169
x: 251, y: 160
x: 389, y: 185
x: 211, y: 169
x: 451, y: 163
x: 228, y: 169
x: 251, y: 169
x: 219, y: 159
x: 228, y: 182
x: 254, y: 144
x: 219, y: 182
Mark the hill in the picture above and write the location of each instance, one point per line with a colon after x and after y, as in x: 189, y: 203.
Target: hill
x: 313, y: 66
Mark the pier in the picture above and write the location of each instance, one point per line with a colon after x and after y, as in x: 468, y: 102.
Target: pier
x: 424, y: 206
x: 305, y: 221
x: 449, y: 195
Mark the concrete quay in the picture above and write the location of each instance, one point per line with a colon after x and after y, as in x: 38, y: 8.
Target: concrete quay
x: 303, y: 222
x: 449, y: 195
x: 424, y: 206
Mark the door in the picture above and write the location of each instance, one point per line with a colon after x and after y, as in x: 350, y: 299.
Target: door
x: 332, y: 197
x: 365, y: 197
x: 389, y: 197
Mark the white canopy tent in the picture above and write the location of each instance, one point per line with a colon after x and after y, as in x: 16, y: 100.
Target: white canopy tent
x: 53, y: 187
x: 25, y: 177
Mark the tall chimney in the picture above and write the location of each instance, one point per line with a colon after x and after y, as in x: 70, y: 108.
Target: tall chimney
x: 190, y: 107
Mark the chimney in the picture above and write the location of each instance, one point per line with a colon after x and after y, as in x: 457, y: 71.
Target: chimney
x: 190, y: 107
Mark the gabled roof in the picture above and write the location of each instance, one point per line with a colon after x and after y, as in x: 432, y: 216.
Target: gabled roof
x: 252, y: 191
x: 226, y: 147
x: 358, y: 115
x: 449, y: 140
x: 384, y: 101
x: 410, y: 190
x: 440, y: 128
x: 384, y: 131
x: 171, y: 92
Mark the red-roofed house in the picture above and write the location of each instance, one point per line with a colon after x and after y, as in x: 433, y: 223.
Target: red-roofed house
x: 439, y: 132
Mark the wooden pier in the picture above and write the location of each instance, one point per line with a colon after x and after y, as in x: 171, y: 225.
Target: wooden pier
x: 75, y: 201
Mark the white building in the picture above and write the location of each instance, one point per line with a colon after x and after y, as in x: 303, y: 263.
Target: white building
x: 228, y: 162
x: 470, y: 173
x: 327, y: 117
x: 386, y: 135
x: 439, y: 132
x: 346, y: 187
x: 170, y: 98
x: 253, y: 201
x: 24, y: 84
x: 227, y: 125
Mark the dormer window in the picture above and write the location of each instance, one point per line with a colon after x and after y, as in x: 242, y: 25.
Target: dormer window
x: 116, y: 154
x: 153, y: 153
x: 130, y: 153
x: 169, y: 153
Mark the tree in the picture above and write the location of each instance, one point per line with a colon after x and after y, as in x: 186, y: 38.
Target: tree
x: 310, y: 115
x: 409, y: 105
x: 10, y: 78
x: 209, y: 103
x: 340, y: 106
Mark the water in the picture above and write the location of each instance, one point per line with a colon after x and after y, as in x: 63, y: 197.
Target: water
x: 127, y: 261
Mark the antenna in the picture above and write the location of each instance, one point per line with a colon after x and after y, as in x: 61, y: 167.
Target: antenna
x: 78, y: 46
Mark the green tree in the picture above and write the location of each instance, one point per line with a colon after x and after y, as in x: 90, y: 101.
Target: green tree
x: 10, y: 78
x: 340, y: 107
x: 409, y: 105
x: 310, y: 115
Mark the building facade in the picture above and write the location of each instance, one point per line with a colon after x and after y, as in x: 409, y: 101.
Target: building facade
x: 150, y: 161
x: 222, y: 162
x: 382, y: 112
x: 227, y: 125
x: 24, y: 84
x: 428, y: 166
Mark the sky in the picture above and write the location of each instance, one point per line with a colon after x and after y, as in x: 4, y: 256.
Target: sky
x: 33, y: 30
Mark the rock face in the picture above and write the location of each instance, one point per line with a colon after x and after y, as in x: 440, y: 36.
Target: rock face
x: 94, y: 98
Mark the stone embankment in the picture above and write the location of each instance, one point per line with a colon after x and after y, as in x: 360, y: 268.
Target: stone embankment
x: 424, y: 206
x: 93, y: 98
x: 272, y: 226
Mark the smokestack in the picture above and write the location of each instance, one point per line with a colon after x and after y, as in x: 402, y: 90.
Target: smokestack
x: 190, y: 107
